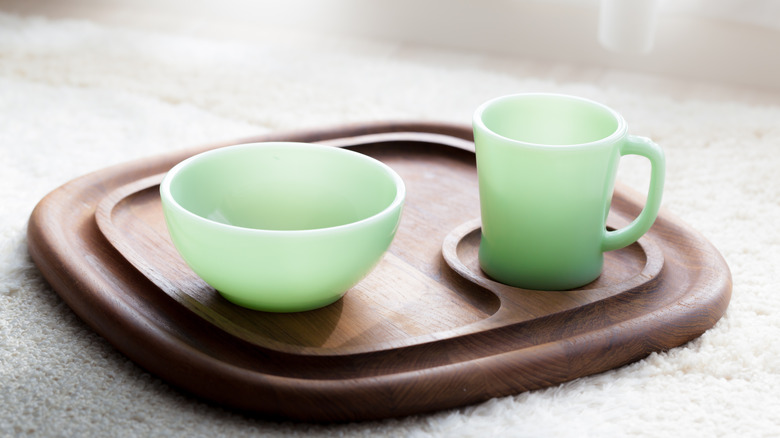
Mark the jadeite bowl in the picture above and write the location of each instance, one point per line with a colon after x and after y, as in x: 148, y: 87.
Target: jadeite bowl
x: 282, y: 227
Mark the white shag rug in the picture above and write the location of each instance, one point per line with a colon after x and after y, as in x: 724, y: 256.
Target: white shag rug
x: 76, y: 97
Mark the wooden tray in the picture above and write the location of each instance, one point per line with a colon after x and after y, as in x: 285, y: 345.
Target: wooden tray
x: 425, y: 331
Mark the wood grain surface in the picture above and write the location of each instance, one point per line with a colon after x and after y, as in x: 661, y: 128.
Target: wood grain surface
x: 426, y: 330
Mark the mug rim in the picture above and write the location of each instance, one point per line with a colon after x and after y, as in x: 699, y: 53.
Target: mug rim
x: 620, y: 131
x: 170, y: 176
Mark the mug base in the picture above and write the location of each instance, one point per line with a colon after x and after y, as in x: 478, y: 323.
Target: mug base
x: 561, y: 282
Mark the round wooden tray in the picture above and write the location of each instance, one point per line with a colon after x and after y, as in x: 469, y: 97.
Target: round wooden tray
x: 426, y: 330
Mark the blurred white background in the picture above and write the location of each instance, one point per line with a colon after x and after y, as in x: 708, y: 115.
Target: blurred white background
x: 730, y: 41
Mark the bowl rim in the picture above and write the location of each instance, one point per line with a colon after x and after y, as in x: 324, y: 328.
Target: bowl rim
x: 169, y: 200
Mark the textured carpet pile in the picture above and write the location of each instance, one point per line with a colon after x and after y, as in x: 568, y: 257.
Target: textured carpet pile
x: 76, y: 97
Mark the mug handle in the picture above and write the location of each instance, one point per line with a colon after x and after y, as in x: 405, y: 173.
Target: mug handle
x: 636, y: 145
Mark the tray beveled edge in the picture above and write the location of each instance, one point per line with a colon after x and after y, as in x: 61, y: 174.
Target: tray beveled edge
x: 134, y: 328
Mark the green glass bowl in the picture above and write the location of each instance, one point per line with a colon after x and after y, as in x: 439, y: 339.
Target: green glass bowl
x: 282, y: 227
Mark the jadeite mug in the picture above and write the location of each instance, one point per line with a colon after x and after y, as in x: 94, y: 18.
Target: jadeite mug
x: 546, y: 166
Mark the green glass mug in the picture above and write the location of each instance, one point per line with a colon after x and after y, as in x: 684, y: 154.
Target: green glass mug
x: 546, y: 165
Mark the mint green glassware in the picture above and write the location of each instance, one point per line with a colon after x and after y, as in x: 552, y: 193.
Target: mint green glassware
x: 282, y: 227
x: 546, y: 165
